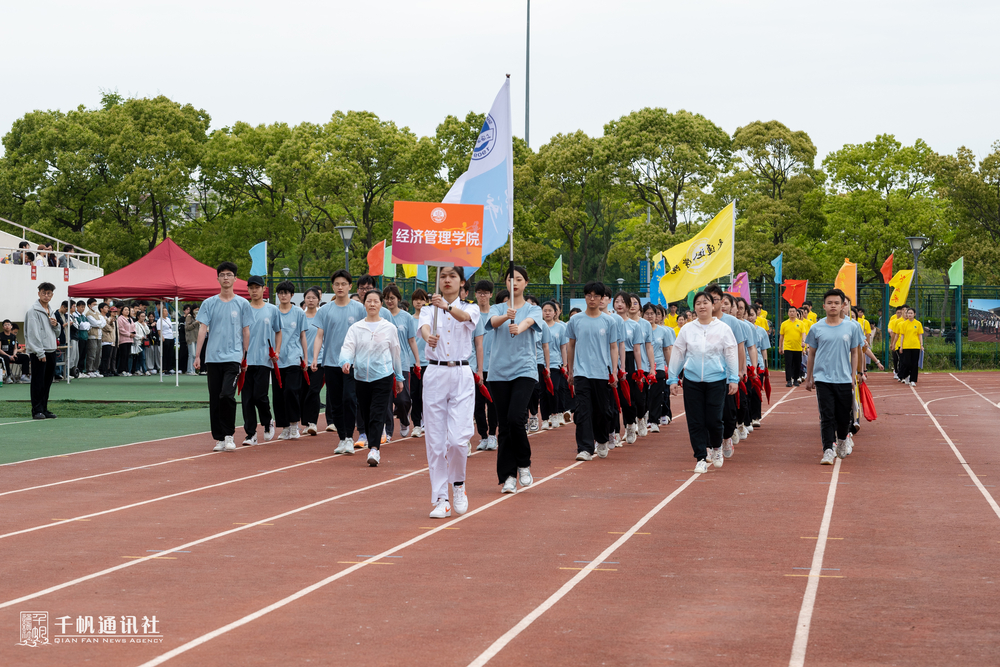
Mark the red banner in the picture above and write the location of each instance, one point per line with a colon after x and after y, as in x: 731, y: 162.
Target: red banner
x: 34, y: 272
x: 66, y: 274
x: 425, y: 232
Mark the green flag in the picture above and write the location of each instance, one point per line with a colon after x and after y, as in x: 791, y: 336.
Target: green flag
x: 388, y: 268
x: 956, y: 274
x: 555, y: 275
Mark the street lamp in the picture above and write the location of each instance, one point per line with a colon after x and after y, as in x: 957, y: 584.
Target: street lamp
x: 621, y: 281
x: 346, y: 234
x: 917, y: 245
x: 286, y: 271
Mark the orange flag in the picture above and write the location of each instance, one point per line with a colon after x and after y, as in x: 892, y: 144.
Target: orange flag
x: 886, y: 269
x: 847, y: 280
x: 795, y: 292
x: 376, y: 259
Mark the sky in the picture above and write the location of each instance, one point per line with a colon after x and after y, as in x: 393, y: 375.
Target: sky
x: 843, y: 72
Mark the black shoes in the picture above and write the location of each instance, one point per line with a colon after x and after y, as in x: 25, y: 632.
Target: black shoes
x: 49, y: 415
x: 39, y: 415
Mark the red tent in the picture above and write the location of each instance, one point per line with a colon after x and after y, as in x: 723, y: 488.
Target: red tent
x: 167, y: 272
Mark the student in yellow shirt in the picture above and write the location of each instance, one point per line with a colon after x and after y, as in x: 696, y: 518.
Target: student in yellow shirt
x: 893, y: 338
x: 761, y: 319
x: 911, y: 339
x: 790, y: 345
x: 670, y: 319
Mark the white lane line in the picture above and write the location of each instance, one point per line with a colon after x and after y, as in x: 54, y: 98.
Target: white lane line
x: 958, y: 455
x: 26, y: 421
x: 202, y: 540
x: 812, y: 584
x: 995, y: 405
x: 104, y: 474
x: 198, y: 641
x: 100, y: 449
x: 166, y: 497
x: 535, y: 613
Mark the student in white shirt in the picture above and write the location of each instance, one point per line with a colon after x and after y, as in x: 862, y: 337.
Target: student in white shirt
x: 448, y: 391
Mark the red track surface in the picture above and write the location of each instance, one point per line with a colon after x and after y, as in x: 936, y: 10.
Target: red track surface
x: 908, y: 569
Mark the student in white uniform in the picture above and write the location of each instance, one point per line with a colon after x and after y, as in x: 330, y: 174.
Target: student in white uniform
x: 515, y: 327
x: 449, y: 391
x: 834, y: 354
x: 265, y: 337
x: 592, y: 352
x: 287, y: 394
x: 371, y: 352
x: 706, y: 351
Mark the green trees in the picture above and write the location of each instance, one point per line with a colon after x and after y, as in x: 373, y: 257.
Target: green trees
x: 119, y: 178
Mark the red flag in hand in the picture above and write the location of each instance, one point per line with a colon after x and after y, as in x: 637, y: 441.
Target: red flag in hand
x: 868, y: 403
x: 484, y: 390
x: 767, y: 384
x: 611, y: 381
x: 548, y: 381
x: 623, y: 384
x: 416, y: 371
x: 243, y: 374
x: 305, y: 371
x: 274, y: 362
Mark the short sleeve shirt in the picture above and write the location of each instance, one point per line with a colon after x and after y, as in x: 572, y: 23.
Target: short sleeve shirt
x: 544, y: 339
x: 334, y: 321
x: 909, y: 331
x: 792, y: 331
x: 593, y: 337
x: 833, y: 345
x: 264, y: 323
x: 293, y: 323
x: 406, y: 328
x: 225, y: 321
x: 558, y: 332
x: 644, y: 334
x: 663, y: 336
x: 514, y: 357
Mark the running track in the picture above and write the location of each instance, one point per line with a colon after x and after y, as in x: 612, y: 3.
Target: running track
x: 286, y: 554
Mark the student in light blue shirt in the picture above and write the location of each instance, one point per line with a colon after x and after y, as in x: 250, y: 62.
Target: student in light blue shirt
x: 515, y: 327
x: 661, y: 341
x: 485, y: 411
x: 406, y: 328
x: 629, y: 348
x: 540, y: 395
x: 834, y: 351
x: 265, y: 340
x: 721, y: 307
x: 419, y: 300
x: 640, y: 377
x: 287, y: 393
x: 310, y: 390
x: 228, y: 316
x: 366, y: 283
x: 557, y: 354
x: 591, y: 356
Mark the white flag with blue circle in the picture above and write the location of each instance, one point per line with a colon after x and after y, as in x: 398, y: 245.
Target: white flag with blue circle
x: 490, y: 178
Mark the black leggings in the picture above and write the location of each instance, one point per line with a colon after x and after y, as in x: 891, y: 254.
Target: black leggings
x: 656, y: 397
x: 511, y: 399
x: 703, y: 403
x: 373, y: 406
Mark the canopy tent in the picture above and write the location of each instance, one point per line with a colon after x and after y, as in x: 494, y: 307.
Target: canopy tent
x: 166, y: 272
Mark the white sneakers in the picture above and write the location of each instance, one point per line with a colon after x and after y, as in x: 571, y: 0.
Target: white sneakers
x: 654, y: 428
x: 442, y: 510
x: 664, y: 420
x: 346, y: 446
x: 230, y: 444
x: 311, y: 429
x: 828, y: 457
x: 219, y: 446
x: 404, y: 431
x: 701, y: 466
x: 641, y: 428
x: 417, y: 432
x: 717, y: 458
x: 849, y: 442
x: 546, y: 425
x: 755, y: 423
x: 744, y: 434
x: 524, y: 476
x: 630, y: 433
x: 602, y: 450
x: 362, y: 441
x: 585, y: 456
x: 844, y: 447
x: 727, y: 447
x: 510, y: 485
x: 461, y: 500
x: 483, y: 445
x: 533, y: 423
x: 250, y: 440
x: 491, y: 443
x: 617, y: 441
x: 374, y: 457
x: 736, y: 436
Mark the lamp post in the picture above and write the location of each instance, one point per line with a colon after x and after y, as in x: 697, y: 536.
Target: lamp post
x: 346, y: 234
x: 286, y: 271
x: 917, y: 245
x: 621, y: 281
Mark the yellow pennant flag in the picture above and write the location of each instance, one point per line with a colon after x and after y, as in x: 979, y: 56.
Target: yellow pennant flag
x: 409, y: 270
x: 901, y: 287
x: 702, y: 259
x: 847, y: 281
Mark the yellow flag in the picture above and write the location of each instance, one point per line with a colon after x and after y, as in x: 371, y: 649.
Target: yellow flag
x: 847, y: 281
x: 704, y: 258
x: 409, y: 270
x: 901, y: 284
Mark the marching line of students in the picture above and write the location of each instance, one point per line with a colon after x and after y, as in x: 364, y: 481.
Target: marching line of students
x: 458, y: 367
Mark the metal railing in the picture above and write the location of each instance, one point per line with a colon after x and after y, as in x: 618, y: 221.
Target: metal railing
x: 88, y: 256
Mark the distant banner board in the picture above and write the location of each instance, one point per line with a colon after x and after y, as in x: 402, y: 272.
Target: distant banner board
x: 431, y: 232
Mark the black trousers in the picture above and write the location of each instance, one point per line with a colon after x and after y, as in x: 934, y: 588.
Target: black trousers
x: 124, y: 356
x: 287, y: 397
x: 373, y: 405
x: 222, y: 377
x: 639, y: 401
x: 540, y: 396
x: 485, y: 412
x: 81, y: 362
x: 254, y: 398
x: 513, y: 451
x: 417, y: 397
x: 793, y: 365
x: 755, y: 403
x: 728, y: 415
x: 107, y: 353
x: 895, y: 362
x: 183, y: 361
x: 398, y: 407
x: 666, y: 399
x: 656, y: 397
x: 836, y: 403
x: 563, y: 400
x: 341, y: 401
x: 591, y: 414
x: 743, y: 411
x: 909, y: 364
x: 703, y: 403
x: 169, y: 356
x: 42, y: 373
x: 309, y: 395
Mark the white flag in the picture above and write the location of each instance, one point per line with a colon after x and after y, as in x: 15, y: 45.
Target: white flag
x: 490, y: 178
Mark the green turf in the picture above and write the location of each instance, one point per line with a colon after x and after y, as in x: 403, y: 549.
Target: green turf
x: 192, y: 388
x: 97, y: 409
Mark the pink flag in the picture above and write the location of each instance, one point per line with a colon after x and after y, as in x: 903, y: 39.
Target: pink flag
x: 741, y: 286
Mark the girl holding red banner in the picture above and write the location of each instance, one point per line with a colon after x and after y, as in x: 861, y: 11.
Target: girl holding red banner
x: 515, y: 328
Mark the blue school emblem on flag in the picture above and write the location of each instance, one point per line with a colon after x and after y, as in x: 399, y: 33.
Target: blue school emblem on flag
x: 487, y: 139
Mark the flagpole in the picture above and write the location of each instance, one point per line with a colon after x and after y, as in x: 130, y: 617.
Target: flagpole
x: 527, y: 73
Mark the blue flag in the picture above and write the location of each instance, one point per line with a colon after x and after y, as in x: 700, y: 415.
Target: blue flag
x: 776, y: 263
x: 422, y: 272
x: 258, y: 254
x: 490, y: 178
x: 659, y: 270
